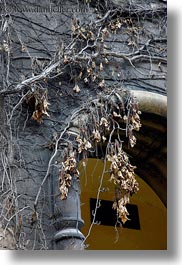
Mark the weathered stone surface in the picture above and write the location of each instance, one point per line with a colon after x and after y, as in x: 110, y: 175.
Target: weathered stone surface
x: 42, y: 34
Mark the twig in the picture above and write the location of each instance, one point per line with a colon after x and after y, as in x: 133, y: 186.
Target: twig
x: 32, y: 80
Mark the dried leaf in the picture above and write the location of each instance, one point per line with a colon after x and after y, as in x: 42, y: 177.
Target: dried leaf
x: 106, y: 60
x: 132, y: 140
x: 101, y: 67
x: 104, y: 138
x: 87, y: 145
x: 89, y: 70
x: 106, y: 32
x: 23, y: 48
x: 65, y: 59
x: 115, y: 114
x: 104, y: 122
x: 86, y: 80
x: 102, y: 83
x: 76, y: 89
x: 96, y: 136
x: 125, y: 118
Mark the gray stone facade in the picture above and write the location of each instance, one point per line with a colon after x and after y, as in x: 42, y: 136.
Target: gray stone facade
x: 31, y: 42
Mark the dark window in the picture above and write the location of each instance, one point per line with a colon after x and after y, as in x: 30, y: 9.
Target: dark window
x: 106, y: 215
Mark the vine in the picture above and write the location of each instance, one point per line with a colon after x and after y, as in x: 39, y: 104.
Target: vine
x: 88, y: 67
x: 105, y: 117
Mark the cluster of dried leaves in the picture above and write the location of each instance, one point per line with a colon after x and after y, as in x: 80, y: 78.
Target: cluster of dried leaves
x: 83, y: 144
x: 129, y: 26
x: 97, y: 135
x: 68, y: 169
x: 90, y: 37
x: 133, y: 121
x: 105, y: 119
x: 123, y: 176
x: 100, y: 130
x: 81, y: 32
x: 94, y: 39
x: 38, y: 100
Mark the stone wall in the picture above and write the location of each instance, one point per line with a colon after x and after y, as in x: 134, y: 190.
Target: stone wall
x: 34, y: 42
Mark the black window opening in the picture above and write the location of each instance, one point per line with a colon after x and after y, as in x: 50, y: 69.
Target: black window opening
x: 106, y: 215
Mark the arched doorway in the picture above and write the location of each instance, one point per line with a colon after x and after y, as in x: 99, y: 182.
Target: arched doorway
x: 145, y: 230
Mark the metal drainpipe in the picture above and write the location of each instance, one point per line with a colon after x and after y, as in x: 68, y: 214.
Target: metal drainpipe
x: 69, y: 224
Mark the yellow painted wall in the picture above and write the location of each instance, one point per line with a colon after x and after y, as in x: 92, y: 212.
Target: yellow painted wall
x: 152, y: 213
